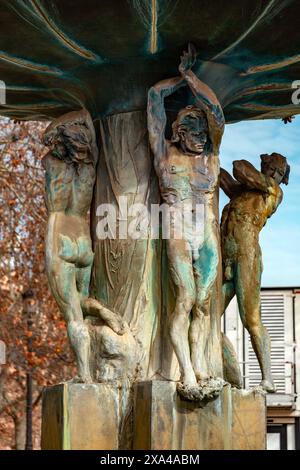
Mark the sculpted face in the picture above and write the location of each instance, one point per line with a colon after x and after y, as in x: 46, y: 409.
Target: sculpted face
x: 194, y: 139
x: 275, y: 166
x: 274, y: 172
x: 190, y: 130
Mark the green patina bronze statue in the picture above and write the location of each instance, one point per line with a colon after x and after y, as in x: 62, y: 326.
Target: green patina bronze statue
x: 187, y: 167
x: 70, y: 176
x: 254, y: 197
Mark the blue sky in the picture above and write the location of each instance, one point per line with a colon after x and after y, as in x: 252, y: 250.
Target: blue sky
x: 280, y: 238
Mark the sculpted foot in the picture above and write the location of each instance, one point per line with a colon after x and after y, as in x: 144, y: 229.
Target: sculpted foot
x: 83, y: 375
x: 188, y: 386
x: 86, y: 378
x: 117, y: 324
x: 188, y: 392
x: 189, y: 379
x: 81, y: 379
x: 201, y: 376
x: 268, y: 386
x: 205, y: 390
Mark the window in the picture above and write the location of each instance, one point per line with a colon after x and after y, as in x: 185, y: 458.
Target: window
x: 277, y: 437
x: 273, y: 317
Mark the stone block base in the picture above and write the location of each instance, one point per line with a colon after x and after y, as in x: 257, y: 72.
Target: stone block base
x: 80, y: 417
x: 236, y: 420
x: 96, y: 417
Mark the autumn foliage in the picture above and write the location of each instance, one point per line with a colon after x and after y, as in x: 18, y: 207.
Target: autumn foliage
x: 30, y: 325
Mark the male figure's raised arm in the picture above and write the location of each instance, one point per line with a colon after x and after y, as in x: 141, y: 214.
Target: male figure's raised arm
x: 156, y: 113
x: 250, y: 177
x: 230, y: 186
x: 205, y: 97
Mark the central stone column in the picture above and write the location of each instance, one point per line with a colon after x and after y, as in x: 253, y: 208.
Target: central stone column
x: 127, y: 273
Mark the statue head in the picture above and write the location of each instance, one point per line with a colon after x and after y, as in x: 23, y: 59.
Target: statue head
x: 72, y: 138
x: 190, y: 130
x: 276, y: 166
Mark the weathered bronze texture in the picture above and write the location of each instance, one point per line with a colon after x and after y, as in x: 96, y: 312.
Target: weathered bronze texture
x: 70, y: 177
x: 104, y: 55
x: 81, y: 417
x: 235, y: 420
x: 126, y: 273
x: 231, y: 369
x: 254, y: 197
x: 129, y: 304
x: 187, y: 167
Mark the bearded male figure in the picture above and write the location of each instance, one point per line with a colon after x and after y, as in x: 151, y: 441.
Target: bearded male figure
x: 188, y: 169
x: 254, y: 197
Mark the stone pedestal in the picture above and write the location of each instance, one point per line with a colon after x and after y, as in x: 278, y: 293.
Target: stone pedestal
x: 236, y: 420
x: 80, y: 417
x: 92, y: 417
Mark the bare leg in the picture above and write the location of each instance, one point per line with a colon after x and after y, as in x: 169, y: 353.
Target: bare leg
x: 83, y: 277
x: 80, y: 341
x: 228, y: 292
x: 198, y: 337
x: 248, y: 294
x: 62, y: 280
x: 205, y: 270
x: 180, y: 265
x: 231, y: 368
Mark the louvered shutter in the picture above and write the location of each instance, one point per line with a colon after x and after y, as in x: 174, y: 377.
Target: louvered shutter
x: 273, y: 317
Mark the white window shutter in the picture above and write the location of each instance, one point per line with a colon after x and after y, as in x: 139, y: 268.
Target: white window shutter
x: 273, y: 317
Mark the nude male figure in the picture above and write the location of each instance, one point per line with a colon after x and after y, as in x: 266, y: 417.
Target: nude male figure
x: 70, y: 176
x: 254, y: 197
x: 188, y: 169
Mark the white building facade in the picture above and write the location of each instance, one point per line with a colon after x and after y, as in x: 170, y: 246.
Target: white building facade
x: 280, y: 310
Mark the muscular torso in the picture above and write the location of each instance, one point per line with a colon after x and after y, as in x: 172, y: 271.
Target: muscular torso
x: 245, y: 215
x: 187, y: 178
x: 69, y: 187
x: 69, y: 191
